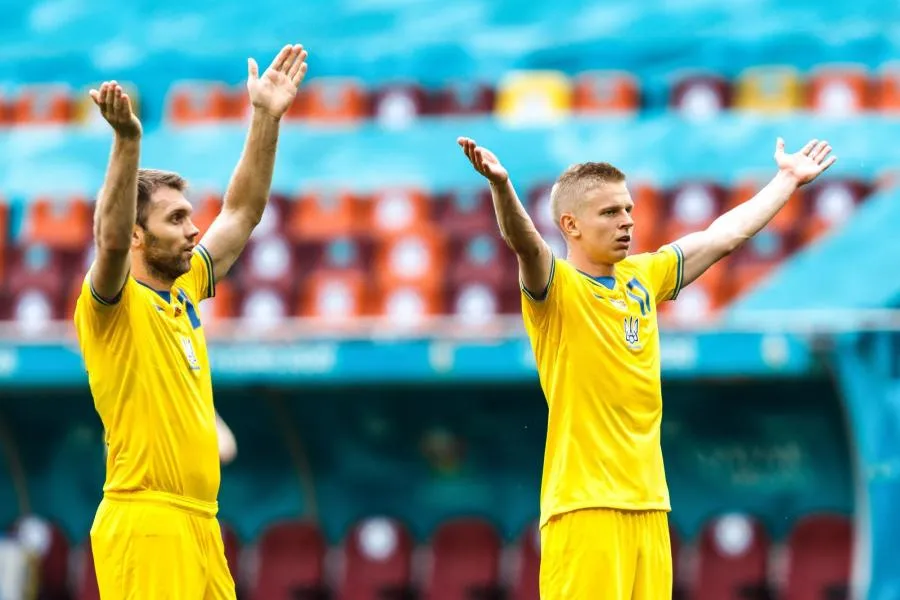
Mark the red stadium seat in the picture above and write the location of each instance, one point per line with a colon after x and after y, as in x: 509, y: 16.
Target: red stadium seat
x: 408, y: 305
x: 462, y: 98
x: 86, y: 581
x: 700, y: 300
x: 887, y: 88
x: 268, y: 262
x: 785, y: 220
x: 206, y: 207
x: 377, y: 561
x: 6, y: 107
x: 732, y: 560
x: 830, y: 203
x: 398, y: 105
x: 537, y: 202
x: 417, y: 257
x: 646, y: 233
x: 606, y: 92
x: 839, y: 90
x: 35, y: 285
x: 220, y: 307
x: 264, y: 307
x: 336, y: 297
x: 291, y: 562
x: 466, y: 213
x: 394, y: 211
x: 331, y: 100
x: 820, y: 550
x: 322, y: 215
x: 190, y: 102
x: 46, y: 541
x: 528, y: 564
x: 691, y: 206
x: 43, y: 104
x: 59, y: 223
x: 700, y: 95
x: 465, y: 560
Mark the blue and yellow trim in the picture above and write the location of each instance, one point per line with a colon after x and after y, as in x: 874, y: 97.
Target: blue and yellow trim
x: 207, y: 260
x: 543, y: 295
x: 679, y: 275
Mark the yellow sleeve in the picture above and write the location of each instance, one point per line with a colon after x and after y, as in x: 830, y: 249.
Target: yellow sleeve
x: 536, y: 307
x: 97, y: 313
x: 665, y: 271
x: 199, y: 282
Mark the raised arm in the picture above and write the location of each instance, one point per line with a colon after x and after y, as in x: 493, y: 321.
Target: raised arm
x: 248, y: 192
x: 516, y: 227
x: 116, y: 208
x: 727, y: 233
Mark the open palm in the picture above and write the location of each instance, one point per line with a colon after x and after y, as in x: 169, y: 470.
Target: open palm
x: 275, y: 90
x: 483, y: 160
x: 808, y: 163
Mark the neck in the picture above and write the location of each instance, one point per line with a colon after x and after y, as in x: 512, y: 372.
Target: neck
x: 581, y: 262
x: 150, y: 276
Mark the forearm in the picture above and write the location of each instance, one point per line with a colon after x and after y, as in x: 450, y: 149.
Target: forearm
x: 117, y: 205
x: 248, y: 190
x: 516, y: 226
x: 745, y: 220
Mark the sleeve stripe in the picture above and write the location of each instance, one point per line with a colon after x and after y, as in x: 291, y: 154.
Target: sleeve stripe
x: 543, y: 295
x: 207, y: 260
x: 100, y: 299
x: 679, y: 276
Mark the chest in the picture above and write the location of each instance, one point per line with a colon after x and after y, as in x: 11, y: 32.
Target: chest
x: 173, y: 330
x: 621, y: 317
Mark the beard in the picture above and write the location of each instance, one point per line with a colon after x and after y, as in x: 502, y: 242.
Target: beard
x: 162, y: 264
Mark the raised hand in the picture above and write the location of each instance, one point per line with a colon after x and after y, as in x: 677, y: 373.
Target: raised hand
x: 275, y: 90
x: 115, y: 106
x: 808, y: 163
x: 484, y: 161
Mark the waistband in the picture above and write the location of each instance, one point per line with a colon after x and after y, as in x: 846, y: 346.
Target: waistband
x: 191, y: 505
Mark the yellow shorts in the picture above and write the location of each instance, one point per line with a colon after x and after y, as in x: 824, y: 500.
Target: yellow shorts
x: 603, y: 554
x: 147, y: 548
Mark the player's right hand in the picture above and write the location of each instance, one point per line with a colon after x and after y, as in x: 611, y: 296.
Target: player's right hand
x: 484, y: 161
x: 115, y: 106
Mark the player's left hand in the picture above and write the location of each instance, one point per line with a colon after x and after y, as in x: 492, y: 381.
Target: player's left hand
x: 807, y: 164
x: 275, y: 90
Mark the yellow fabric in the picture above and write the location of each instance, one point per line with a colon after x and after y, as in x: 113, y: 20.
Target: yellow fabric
x: 597, y: 354
x: 147, y: 549
x: 148, y: 369
x: 603, y: 554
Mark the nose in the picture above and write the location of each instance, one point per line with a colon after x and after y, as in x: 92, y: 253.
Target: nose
x: 193, y: 230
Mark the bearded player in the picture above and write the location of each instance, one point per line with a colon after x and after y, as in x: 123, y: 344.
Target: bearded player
x: 155, y: 534
x: 591, y: 320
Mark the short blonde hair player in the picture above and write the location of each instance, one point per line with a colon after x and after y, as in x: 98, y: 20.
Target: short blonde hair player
x: 139, y: 327
x: 591, y: 318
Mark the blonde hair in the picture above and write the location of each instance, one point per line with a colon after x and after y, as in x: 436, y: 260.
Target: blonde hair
x: 576, y: 181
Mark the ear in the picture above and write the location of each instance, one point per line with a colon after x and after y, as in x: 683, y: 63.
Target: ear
x: 569, y: 225
x: 137, y: 237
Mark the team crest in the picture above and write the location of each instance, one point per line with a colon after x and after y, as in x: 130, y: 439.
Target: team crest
x: 631, y: 331
x: 189, y: 353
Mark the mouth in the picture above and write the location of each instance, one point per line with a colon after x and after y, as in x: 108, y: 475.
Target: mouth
x: 624, y: 239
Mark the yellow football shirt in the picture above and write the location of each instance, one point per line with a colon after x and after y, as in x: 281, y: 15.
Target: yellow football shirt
x: 148, y: 369
x: 596, y: 345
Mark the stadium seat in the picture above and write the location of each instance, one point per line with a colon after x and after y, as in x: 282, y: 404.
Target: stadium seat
x: 192, y: 102
x: 830, y: 203
x: 324, y: 214
x: 206, y: 207
x: 408, y: 305
x: 86, y: 579
x: 528, y: 564
x: 331, y: 100
x: 700, y: 300
x: 691, y: 206
x: 605, y: 92
x: 534, y: 97
x: 35, y: 285
x: 396, y: 106
x: 645, y: 237
x: 820, y: 549
x: 377, y: 561
x: 274, y: 220
x: 268, y: 262
x: 700, y: 95
x: 462, y: 98
x: 46, y: 542
x: 42, y: 104
x: 839, y: 90
x: 465, y: 561
x: 417, y: 257
x: 6, y: 106
x: 482, y: 281
x: 769, y: 89
x: 4, y: 239
x: 222, y: 306
x: 291, y: 557
x: 463, y: 213
x: 732, y: 560
x: 59, y: 223
x: 537, y: 201
x: 398, y: 210
x: 786, y: 220
x: 334, y: 297
x: 886, y: 93
x: 263, y: 307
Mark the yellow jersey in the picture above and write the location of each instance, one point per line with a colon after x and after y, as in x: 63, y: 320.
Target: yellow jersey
x: 148, y: 369
x: 596, y: 345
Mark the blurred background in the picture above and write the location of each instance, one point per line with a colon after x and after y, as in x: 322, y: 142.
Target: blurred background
x: 368, y: 350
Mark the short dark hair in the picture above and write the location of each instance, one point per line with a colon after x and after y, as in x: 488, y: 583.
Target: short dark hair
x: 578, y: 179
x: 150, y: 180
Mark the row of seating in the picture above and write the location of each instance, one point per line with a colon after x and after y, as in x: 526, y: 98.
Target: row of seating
x: 519, y: 96
x: 465, y: 558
